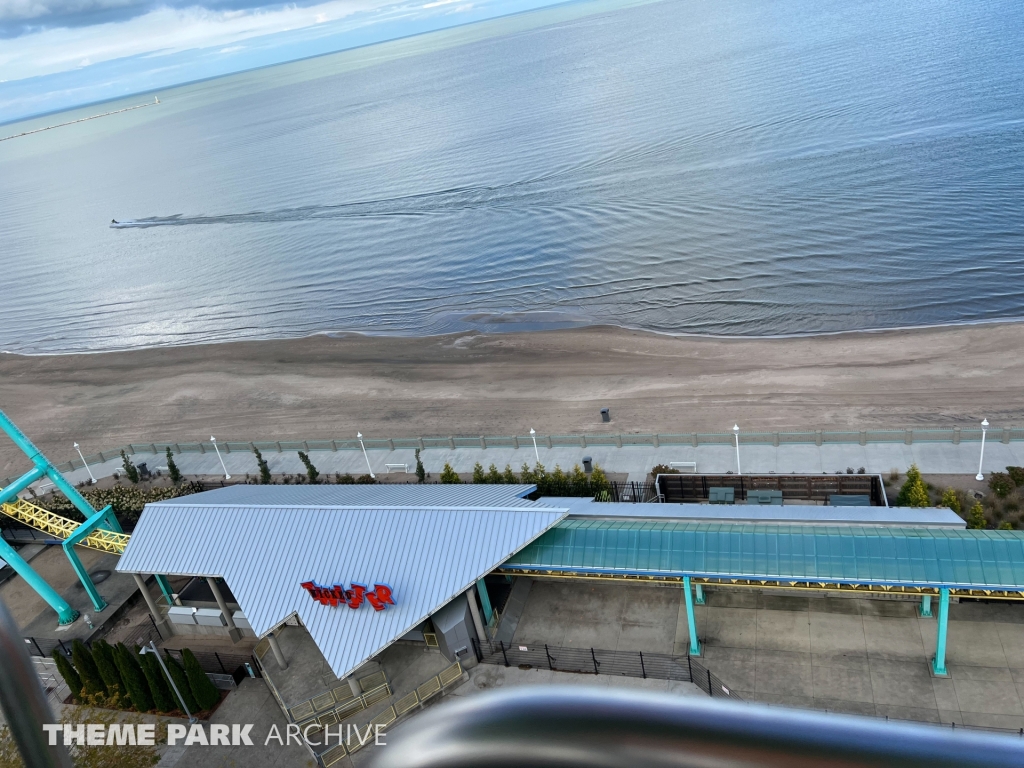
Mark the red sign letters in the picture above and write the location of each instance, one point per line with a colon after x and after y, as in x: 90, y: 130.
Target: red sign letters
x: 379, y: 597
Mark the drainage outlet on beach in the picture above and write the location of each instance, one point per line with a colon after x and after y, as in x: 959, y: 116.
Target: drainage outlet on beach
x: 606, y: 415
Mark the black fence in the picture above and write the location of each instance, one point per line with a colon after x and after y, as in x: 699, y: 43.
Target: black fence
x: 629, y: 492
x: 693, y: 489
x: 593, y: 661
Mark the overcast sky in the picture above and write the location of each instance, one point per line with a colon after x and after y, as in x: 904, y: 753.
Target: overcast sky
x: 57, y: 54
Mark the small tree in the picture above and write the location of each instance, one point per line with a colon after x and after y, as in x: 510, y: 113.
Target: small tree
x: 181, y: 683
x: 913, y: 493
x: 421, y: 473
x: 478, y: 473
x: 86, y: 666
x: 449, y: 475
x: 976, y: 517
x: 311, y: 471
x: 494, y: 476
x: 103, y: 655
x: 205, y: 692
x: 172, y: 468
x: 599, y: 482
x: 162, y: 698
x: 345, y: 479
x: 264, y: 467
x: 1000, y: 484
x: 508, y: 476
x: 69, y: 673
x: 129, y: 469
x: 951, y: 500
x: 1017, y: 475
x: 133, y: 677
x: 1006, y: 525
x: 366, y: 480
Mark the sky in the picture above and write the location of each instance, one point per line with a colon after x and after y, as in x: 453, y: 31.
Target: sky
x: 59, y: 54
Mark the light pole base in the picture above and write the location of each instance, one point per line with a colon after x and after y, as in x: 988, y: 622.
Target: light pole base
x: 979, y: 476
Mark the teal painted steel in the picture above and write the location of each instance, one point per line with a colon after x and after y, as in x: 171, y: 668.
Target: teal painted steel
x: 19, y: 485
x: 925, y: 609
x: 65, y: 613
x: 485, y: 600
x: 165, y: 588
x: 939, y: 662
x: 700, y: 594
x: 96, y: 521
x: 923, y: 557
x: 691, y: 621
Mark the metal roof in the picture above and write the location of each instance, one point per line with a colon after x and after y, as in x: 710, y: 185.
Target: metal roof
x: 389, y: 495
x: 426, y: 555
x: 935, y: 557
x: 792, y: 514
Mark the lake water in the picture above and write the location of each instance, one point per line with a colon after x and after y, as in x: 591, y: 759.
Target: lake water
x: 730, y: 167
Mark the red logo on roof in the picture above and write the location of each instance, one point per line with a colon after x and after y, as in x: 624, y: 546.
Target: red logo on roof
x: 379, y: 597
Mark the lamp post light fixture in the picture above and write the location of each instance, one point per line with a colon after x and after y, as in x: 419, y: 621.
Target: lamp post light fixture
x: 736, y: 432
x: 984, y: 429
x: 360, y: 436
x: 84, y: 463
x: 214, y: 441
x: 151, y: 648
x: 533, y: 434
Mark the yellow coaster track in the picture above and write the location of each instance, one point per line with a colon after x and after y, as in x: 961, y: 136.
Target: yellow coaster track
x: 61, y: 527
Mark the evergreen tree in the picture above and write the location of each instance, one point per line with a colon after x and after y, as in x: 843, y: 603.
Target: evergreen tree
x: 508, y: 476
x: 311, y: 471
x: 129, y: 469
x: 103, y: 655
x: 205, y: 692
x: 526, y: 475
x: 599, y: 482
x: 134, y: 680
x: 579, y: 482
x: 976, y: 517
x: 913, y: 493
x: 181, y: 683
x: 951, y: 500
x: 478, y: 473
x: 172, y: 468
x: 162, y: 698
x: 86, y: 666
x: 493, y: 475
x: 69, y: 673
x: 264, y: 467
x: 421, y: 473
x: 449, y: 475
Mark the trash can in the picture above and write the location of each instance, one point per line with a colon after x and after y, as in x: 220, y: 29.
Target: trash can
x: 143, y: 471
x: 588, y: 464
x: 606, y: 415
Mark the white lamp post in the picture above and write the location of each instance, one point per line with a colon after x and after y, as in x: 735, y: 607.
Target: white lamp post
x: 83, y: 463
x: 536, y: 453
x: 151, y: 648
x: 360, y: 436
x: 214, y: 441
x: 984, y: 429
x: 736, y: 431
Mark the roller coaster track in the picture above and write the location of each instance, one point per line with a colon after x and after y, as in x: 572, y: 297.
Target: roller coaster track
x: 61, y: 527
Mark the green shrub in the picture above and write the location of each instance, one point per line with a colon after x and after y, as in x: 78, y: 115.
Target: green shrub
x: 69, y: 673
x: 508, y: 476
x: 162, y: 698
x: 130, y: 470
x: 1006, y: 525
x: 203, y: 689
x: 134, y: 680
x: 951, y: 500
x: 449, y: 475
x: 86, y: 666
x: 913, y: 493
x: 127, y: 502
x: 345, y: 479
x: 311, y: 471
x: 181, y: 683
x: 478, y: 473
x: 103, y: 655
x: 366, y: 480
x: 172, y: 468
x: 1000, y: 484
x: 264, y: 467
x: 1017, y: 475
x: 494, y: 476
x: 976, y: 517
x: 663, y: 469
x: 421, y: 473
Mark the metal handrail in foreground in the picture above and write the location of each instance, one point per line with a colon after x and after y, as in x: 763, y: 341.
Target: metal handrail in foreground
x: 574, y: 727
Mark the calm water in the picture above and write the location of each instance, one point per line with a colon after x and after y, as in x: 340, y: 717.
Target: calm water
x: 727, y: 167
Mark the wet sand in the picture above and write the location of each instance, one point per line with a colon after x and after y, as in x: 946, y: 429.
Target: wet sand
x: 474, y: 384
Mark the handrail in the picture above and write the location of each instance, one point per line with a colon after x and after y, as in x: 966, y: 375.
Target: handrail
x: 575, y: 727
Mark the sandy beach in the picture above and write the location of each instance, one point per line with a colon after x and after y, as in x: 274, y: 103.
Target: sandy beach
x: 474, y: 384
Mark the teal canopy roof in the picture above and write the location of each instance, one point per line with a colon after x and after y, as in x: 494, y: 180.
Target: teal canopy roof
x: 925, y: 557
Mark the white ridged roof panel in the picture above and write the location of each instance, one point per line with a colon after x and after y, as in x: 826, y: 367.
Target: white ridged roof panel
x: 390, y: 495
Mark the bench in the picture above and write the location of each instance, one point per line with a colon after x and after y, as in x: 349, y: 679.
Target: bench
x: 403, y: 467
x: 691, y: 465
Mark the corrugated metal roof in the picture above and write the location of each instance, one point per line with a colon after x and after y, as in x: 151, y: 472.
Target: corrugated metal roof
x: 792, y: 514
x: 264, y: 553
x: 935, y: 557
x: 390, y: 495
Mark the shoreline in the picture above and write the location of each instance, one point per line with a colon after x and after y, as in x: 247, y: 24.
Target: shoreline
x: 473, y: 383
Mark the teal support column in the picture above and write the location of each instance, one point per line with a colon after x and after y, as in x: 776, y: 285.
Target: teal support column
x: 700, y: 593
x: 485, y: 600
x: 165, y: 587
x: 939, y: 662
x: 65, y: 613
x: 925, y: 609
x: 690, y: 620
x: 94, y: 522
x: 19, y: 485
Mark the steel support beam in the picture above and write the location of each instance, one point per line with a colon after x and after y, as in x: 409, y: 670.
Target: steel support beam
x: 485, y: 600
x: 939, y: 662
x: 65, y: 613
x: 925, y: 609
x: 700, y: 593
x: 234, y: 632
x: 690, y: 620
x: 94, y: 522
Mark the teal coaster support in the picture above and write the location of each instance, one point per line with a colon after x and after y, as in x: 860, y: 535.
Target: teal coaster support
x: 165, y: 587
x: 86, y: 528
x: 939, y: 662
x: 65, y: 613
x: 925, y: 609
x: 690, y: 620
x: 485, y: 600
x: 700, y: 593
